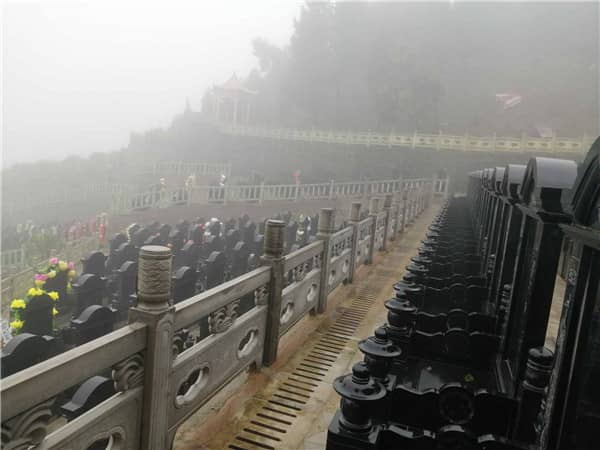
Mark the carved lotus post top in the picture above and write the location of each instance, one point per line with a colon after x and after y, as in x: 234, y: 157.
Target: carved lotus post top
x: 154, y: 277
x: 274, y: 237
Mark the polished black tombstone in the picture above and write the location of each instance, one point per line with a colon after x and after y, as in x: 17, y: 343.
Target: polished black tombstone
x: 91, y: 393
x: 239, y: 259
x: 114, y: 244
x: 26, y: 350
x: 570, y: 416
x: 183, y: 284
x: 125, y: 282
x: 93, y: 322
x: 38, y: 317
x: 94, y: 263
x: 215, y: 269
x: 164, y: 231
x: 536, y: 263
x: 89, y: 290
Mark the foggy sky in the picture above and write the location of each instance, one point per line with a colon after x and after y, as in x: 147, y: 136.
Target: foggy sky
x: 79, y: 76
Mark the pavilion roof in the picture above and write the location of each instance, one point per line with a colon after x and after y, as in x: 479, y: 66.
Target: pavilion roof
x: 234, y: 86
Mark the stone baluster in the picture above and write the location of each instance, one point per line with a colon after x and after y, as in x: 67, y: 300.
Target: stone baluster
x: 354, y: 221
x: 273, y: 257
x: 326, y: 228
x: 373, y: 211
x: 153, y: 292
x: 387, y: 207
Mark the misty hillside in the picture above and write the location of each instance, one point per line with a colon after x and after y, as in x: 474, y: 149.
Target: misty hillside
x: 432, y: 67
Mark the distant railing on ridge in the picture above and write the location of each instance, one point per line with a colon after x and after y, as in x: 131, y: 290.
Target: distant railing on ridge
x: 127, y: 202
x: 191, y: 167
x: 466, y: 143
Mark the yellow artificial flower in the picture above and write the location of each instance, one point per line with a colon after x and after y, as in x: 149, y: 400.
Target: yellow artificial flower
x: 54, y: 311
x: 71, y: 273
x: 62, y: 265
x: 16, y: 325
x: 32, y: 292
x: 18, y: 303
x: 53, y: 295
x: 39, y: 283
x: 51, y: 274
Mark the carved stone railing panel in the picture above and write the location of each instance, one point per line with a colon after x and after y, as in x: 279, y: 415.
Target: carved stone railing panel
x: 211, y: 301
x: 28, y: 428
x: 302, y: 294
x: 114, y: 423
x: 379, y: 230
x: 339, y: 266
x: 198, y: 372
x: 365, y: 228
x: 298, y: 299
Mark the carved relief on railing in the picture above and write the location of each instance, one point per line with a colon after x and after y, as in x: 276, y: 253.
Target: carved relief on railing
x: 261, y: 295
x: 27, y: 429
x: 129, y: 373
x: 222, y: 319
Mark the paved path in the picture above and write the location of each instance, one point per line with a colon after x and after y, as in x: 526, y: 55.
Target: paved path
x: 290, y: 405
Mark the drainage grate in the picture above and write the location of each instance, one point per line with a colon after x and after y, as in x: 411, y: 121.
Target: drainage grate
x: 268, y: 426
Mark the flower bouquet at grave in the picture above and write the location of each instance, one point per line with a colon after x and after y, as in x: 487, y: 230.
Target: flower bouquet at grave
x: 18, y: 307
x: 56, y: 277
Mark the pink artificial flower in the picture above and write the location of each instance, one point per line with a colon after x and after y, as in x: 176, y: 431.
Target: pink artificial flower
x: 71, y: 265
x: 54, y: 261
x: 41, y: 277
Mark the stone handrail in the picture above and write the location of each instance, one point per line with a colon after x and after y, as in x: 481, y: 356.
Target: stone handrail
x: 467, y: 143
x: 202, y: 195
x: 157, y: 389
x: 49, y: 378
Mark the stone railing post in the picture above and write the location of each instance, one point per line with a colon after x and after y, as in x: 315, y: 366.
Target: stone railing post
x: 273, y: 257
x: 373, y: 211
x: 354, y: 220
x: 387, y: 207
x: 404, y: 208
x: 331, y: 187
x: 397, y: 210
x: 411, y: 202
x: 325, y: 230
x: 153, y: 292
